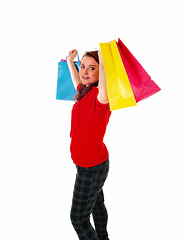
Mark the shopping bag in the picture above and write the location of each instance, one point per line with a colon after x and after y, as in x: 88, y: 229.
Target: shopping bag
x: 119, y: 91
x: 141, y: 83
x: 65, y: 88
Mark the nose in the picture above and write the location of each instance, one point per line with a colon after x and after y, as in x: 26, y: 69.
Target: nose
x: 85, y: 71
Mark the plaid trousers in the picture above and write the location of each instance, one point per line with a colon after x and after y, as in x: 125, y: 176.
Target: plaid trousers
x: 88, y: 198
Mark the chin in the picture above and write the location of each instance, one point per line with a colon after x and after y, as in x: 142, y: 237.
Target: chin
x: 85, y: 83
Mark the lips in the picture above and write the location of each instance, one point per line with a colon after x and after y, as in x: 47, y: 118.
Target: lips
x: 85, y: 77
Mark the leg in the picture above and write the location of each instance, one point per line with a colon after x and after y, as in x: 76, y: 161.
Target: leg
x: 81, y: 207
x: 88, y: 185
x: 100, y: 217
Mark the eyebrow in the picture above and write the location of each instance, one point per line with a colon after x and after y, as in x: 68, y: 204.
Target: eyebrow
x: 91, y: 65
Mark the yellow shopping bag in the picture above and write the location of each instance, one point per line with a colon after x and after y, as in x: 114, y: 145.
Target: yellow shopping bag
x: 119, y: 90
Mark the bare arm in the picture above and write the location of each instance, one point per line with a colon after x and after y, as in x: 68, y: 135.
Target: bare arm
x: 73, y: 71
x: 102, y: 96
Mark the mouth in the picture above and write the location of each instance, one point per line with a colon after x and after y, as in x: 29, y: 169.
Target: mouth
x: 84, y: 77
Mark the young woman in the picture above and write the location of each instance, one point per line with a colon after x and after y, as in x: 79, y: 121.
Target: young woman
x: 90, y: 116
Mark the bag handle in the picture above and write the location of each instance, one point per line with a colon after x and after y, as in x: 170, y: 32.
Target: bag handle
x: 78, y: 56
x: 68, y: 56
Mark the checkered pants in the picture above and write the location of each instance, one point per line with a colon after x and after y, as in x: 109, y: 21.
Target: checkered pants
x: 88, y: 198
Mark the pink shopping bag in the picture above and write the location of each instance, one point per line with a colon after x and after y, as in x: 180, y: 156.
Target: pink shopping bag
x: 141, y: 83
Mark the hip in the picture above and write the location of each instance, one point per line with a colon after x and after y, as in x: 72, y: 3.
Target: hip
x: 97, y: 168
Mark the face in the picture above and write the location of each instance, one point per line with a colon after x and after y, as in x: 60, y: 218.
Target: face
x: 89, y: 71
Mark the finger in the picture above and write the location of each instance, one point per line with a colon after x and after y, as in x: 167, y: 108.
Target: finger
x: 72, y: 51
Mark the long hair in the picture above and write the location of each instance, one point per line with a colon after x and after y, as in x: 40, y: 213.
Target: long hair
x: 83, y: 90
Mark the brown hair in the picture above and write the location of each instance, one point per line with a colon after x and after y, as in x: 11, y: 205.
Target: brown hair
x: 83, y: 90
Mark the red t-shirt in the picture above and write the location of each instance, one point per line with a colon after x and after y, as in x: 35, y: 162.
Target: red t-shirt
x: 89, y: 120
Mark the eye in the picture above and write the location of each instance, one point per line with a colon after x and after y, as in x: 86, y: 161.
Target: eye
x: 81, y: 66
x: 92, y: 68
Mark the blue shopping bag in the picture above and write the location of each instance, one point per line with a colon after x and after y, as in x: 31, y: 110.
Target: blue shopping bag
x: 65, y: 88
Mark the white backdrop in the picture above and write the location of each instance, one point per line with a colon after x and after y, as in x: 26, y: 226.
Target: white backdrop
x: 146, y: 189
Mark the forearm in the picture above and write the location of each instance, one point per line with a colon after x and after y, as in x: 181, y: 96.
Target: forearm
x: 73, y: 71
x: 102, y: 81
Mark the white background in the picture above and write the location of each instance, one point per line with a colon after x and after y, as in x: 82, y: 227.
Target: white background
x: 145, y: 192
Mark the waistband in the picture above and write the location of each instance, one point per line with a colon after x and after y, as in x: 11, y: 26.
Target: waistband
x: 97, y: 167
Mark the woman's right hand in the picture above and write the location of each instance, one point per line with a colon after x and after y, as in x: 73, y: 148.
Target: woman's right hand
x: 72, y: 55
